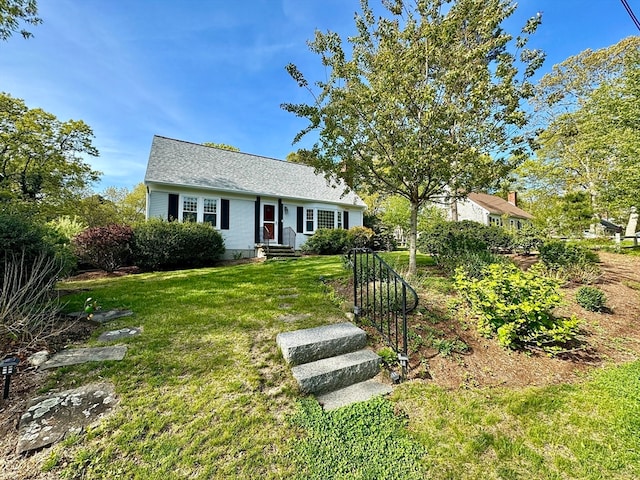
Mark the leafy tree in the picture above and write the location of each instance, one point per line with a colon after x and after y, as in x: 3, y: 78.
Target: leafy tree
x: 427, y: 105
x: 95, y: 210
x: 302, y: 156
x: 589, y: 104
x: 13, y: 12
x: 222, y: 146
x: 129, y: 205
x: 42, y: 162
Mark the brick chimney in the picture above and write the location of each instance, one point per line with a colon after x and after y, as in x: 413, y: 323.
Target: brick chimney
x: 512, y: 198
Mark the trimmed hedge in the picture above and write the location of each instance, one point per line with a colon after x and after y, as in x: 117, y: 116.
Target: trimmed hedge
x: 333, y: 241
x: 161, y: 245
x: 326, y: 241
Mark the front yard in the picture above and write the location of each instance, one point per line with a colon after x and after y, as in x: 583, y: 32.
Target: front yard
x: 204, y: 393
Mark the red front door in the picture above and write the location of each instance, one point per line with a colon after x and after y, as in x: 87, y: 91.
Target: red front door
x: 269, y: 221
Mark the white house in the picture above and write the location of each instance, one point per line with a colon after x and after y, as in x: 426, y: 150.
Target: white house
x: 492, y: 210
x: 250, y: 199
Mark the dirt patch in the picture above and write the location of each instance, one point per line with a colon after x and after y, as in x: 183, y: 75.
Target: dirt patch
x: 612, y: 337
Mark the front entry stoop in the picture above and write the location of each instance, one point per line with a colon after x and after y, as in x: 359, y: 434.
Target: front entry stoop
x: 332, y: 363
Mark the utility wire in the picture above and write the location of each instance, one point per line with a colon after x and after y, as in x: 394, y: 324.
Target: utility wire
x: 631, y: 14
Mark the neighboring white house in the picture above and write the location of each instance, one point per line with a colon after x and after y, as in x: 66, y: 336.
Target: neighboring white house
x: 492, y: 210
x: 248, y: 198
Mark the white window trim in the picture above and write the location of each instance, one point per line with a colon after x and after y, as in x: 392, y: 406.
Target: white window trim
x: 200, y: 210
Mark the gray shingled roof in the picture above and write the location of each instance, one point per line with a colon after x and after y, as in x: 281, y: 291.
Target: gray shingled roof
x: 498, y: 205
x: 175, y: 162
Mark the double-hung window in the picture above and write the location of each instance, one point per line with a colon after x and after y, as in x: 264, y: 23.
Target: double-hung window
x: 310, y: 220
x: 210, y: 210
x: 189, y: 209
x: 199, y: 209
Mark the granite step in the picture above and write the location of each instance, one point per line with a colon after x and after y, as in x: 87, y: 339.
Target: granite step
x: 358, y: 392
x: 334, y: 373
x: 312, y: 344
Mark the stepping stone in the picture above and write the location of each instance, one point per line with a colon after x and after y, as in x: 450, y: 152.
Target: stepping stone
x: 126, y: 332
x: 50, y: 418
x: 102, y: 317
x: 359, y: 392
x: 74, y: 356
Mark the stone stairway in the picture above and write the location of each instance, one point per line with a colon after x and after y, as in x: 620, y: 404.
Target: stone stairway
x: 279, y: 251
x: 332, y: 363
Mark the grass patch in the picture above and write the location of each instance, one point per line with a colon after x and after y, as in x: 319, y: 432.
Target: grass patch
x: 203, y: 391
x: 205, y: 394
x: 400, y: 260
x: 584, y: 431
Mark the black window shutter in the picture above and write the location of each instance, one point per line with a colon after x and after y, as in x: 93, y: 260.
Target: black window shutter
x: 172, y: 213
x: 257, y: 220
x: 224, y: 212
x: 345, y: 220
x: 280, y: 220
x: 300, y: 220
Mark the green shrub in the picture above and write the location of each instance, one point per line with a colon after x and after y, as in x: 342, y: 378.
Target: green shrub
x: 161, y: 245
x: 591, y: 298
x: 108, y: 248
x: 60, y: 233
x: 557, y: 253
x: 327, y: 241
x: 527, y: 239
x: 360, y: 237
x: 516, y: 306
x: 466, y: 244
x: 22, y: 239
x: 463, y: 236
x: 570, y: 261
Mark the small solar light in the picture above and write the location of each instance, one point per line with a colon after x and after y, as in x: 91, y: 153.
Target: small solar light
x: 395, y: 377
x: 8, y: 367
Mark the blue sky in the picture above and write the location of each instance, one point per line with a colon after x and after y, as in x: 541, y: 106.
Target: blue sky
x: 213, y: 71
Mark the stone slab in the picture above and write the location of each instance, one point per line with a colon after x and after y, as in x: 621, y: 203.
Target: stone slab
x: 120, y: 334
x: 336, y: 372
x: 50, y: 418
x: 359, y: 392
x: 311, y: 344
x: 103, y: 316
x: 75, y: 356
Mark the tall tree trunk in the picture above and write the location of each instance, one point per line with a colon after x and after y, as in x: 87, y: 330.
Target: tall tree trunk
x: 413, y: 234
x: 454, y: 210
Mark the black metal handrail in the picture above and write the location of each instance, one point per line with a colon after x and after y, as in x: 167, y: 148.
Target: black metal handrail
x: 289, y: 237
x: 384, y: 298
x: 266, y: 235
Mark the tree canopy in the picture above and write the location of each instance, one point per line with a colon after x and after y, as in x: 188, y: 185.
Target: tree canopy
x: 13, y: 13
x: 591, y: 137
x: 42, y: 162
x: 427, y: 102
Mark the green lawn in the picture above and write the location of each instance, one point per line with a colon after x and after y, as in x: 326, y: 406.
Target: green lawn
x: 204, y: 393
